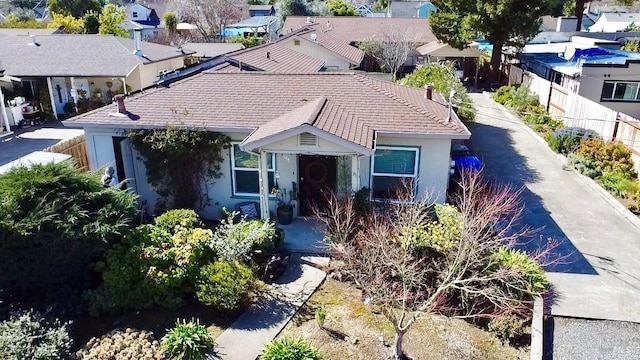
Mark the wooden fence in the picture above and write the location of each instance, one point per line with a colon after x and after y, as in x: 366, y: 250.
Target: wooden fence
x: 77, y: 148
x: 578, y: 111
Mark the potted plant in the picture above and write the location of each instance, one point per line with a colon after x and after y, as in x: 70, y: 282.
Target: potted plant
x: 284, y: 211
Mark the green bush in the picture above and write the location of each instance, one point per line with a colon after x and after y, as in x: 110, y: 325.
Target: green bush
x: 151, y: 267
x: 179, y: 217
x: 225, y: 285
x: 122, y: 344
x: 287, y: 348
x: 583, y: 165
x: 520, y: 99
x: 244, y: 240
x: 507, y: 327
x: 29, y: 336
x: 503, y: 94
x: 527, y: 277
x: 440, y: 235
x: 54, y: 221
x: 567, y: 140
x: 443, y: 78
x: 608, y: 157
x: 187, y: 341
x: 619, y: 184
x: 537, y: 115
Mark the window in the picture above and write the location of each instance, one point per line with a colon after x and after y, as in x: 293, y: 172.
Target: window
x: 134, y: 14
x: 393, y: 168
x: 620, y: 90
x: 296, y: 42
x: 244, y: 169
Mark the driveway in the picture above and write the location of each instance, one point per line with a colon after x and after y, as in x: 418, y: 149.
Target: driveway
x: 35, y: 138
x: 596, y: 270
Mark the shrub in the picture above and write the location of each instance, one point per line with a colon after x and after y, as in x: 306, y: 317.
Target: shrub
x: 443, y: 78
x: 527, y: 274
x: 187, y: 219
x: 507, y: 327
x: 187, y: 341
x: 582, y: 164
x: 321, y: 316
x: 54, y: 221
x: 567, y: 140
x: 520, y: 99
x: 503, y: 94
x: 122, y: 345
x: 29, y: 336
x: 537, y: 115
x: 241, y: 241
x: 619, y: 184
x: 287, y: 348
x: 151, y: 267
x: 225, y: 285
x: 608, y: 157
x: 440, y: 235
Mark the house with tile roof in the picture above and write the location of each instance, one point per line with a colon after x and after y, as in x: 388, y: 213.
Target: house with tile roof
x: 307, y: 133
x: 76, y: 67
x: 270, y: 57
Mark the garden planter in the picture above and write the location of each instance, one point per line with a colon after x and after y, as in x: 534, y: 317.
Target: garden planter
x: 285, y: 214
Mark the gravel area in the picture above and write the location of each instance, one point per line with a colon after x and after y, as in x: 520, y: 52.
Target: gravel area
x: 581, y: 339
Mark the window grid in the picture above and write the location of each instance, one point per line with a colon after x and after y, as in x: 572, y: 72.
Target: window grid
x: 271, y: 169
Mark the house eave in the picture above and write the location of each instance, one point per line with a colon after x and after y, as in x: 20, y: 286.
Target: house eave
x: 464, y: 136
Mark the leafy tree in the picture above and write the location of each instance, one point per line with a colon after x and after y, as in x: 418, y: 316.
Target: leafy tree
x: 68, y: 24
x: 209, y: 16
x: 23, y: 14
x: 444, y: 80
x: 633, y: 27
x: 13, y: 22
x: 294, y: 8
x: 391, y: 49
x: 110, y: 19
x: 91, y: 22
x: 25, y: 3
x: 170, y: 22
x: 569, y: 8
x: 631, y: 45
x: 503, y: 22
x: 54, y: 222
x: 341, y: 8
x: 75, y: 8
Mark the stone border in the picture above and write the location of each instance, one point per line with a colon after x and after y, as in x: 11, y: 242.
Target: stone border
x: 537, y: 330
x: 633, y: 219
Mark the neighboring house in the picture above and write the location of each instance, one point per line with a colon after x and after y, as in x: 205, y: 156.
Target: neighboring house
x: 272, y: 58
x: 311, y: 133
x: 613, y: 22
x: 563, y: 23
x: 466, y: 61
x: 411, y: 9
x: 203, y: 51
x: 367, y: 11
x: 73, y: 67
x: 254, y: 26
x: 592, y: 68
x: 261, y: 10
x: 144, y: 19
x: 335, y: 51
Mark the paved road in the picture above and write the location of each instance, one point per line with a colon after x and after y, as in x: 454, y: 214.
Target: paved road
x: 598, y: 275
x: 28, y: 140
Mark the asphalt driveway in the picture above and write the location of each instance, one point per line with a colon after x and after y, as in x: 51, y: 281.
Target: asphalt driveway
x: 35, y: 138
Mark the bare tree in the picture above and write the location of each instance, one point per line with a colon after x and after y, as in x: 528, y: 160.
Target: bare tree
x: 209, y: 16
x: 391, y: 48
x: 410, y: 262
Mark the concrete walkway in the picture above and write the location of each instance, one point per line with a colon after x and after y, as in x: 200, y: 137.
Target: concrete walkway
x: 305, y: 235
x: 263, y: 321
x: 597, y: 272
x: 27, y: 140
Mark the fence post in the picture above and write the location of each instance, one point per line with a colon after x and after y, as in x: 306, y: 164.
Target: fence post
x: 615, y: 128
x: 549, y: 98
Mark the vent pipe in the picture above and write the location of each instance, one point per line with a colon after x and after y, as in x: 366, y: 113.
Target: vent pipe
x: 120, y: 101
x: 428, y: 91
x: 137, y: 39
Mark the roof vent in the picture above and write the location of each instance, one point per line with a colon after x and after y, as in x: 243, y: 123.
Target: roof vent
x: 307, y: 139
x: 34, y: 42
x: 309, y: 21
x: 313, y: 37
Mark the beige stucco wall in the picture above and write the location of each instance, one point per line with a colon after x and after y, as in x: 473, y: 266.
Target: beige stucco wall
x: 432, y: 180
x: 148, y: 73
x: 318, y: 52
x: 593, y: 78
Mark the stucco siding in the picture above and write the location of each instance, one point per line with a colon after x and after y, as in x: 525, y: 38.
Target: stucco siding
x: 592, y: 81
x: 149, y: 72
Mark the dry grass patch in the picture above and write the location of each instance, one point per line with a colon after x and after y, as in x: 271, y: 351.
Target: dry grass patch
x: 433, y: 337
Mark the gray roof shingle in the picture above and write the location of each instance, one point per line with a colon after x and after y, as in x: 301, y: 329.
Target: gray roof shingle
x: 77, y: 55
x: 355, y: 108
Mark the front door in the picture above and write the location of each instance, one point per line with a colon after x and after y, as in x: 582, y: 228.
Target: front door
x: 317, y: 180
x: 60, y: 95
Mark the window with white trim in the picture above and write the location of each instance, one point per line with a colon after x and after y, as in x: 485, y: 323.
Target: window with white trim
x: 393, y: 169
x: 621, y: 91
x: 244, y: 171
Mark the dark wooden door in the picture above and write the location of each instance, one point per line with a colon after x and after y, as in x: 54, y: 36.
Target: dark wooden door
x: 317, y: 177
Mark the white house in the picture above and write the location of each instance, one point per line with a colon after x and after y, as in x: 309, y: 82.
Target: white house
x: 144, y: 19
x: 309, y: 133
x: 613, y: 22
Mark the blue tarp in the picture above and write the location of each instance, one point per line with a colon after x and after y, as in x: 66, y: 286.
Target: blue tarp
x: 467, y: 162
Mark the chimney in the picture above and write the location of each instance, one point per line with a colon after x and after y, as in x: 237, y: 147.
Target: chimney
x: 137, y: 38
x: 428, y: 91
x: 120, y: 102
x: 268, y: 55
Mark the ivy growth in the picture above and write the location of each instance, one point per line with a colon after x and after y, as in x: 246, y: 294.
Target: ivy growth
x: 181, y: 163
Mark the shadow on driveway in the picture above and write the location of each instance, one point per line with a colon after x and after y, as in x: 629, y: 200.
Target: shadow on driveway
x: 502, y: 163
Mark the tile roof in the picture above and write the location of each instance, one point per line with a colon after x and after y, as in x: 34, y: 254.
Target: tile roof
x: 77, y: 55
x: 332, y: 43
x: 356, y: 106
x: 276, y: 58
x: 358, y: 28
x: 211, y: 50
